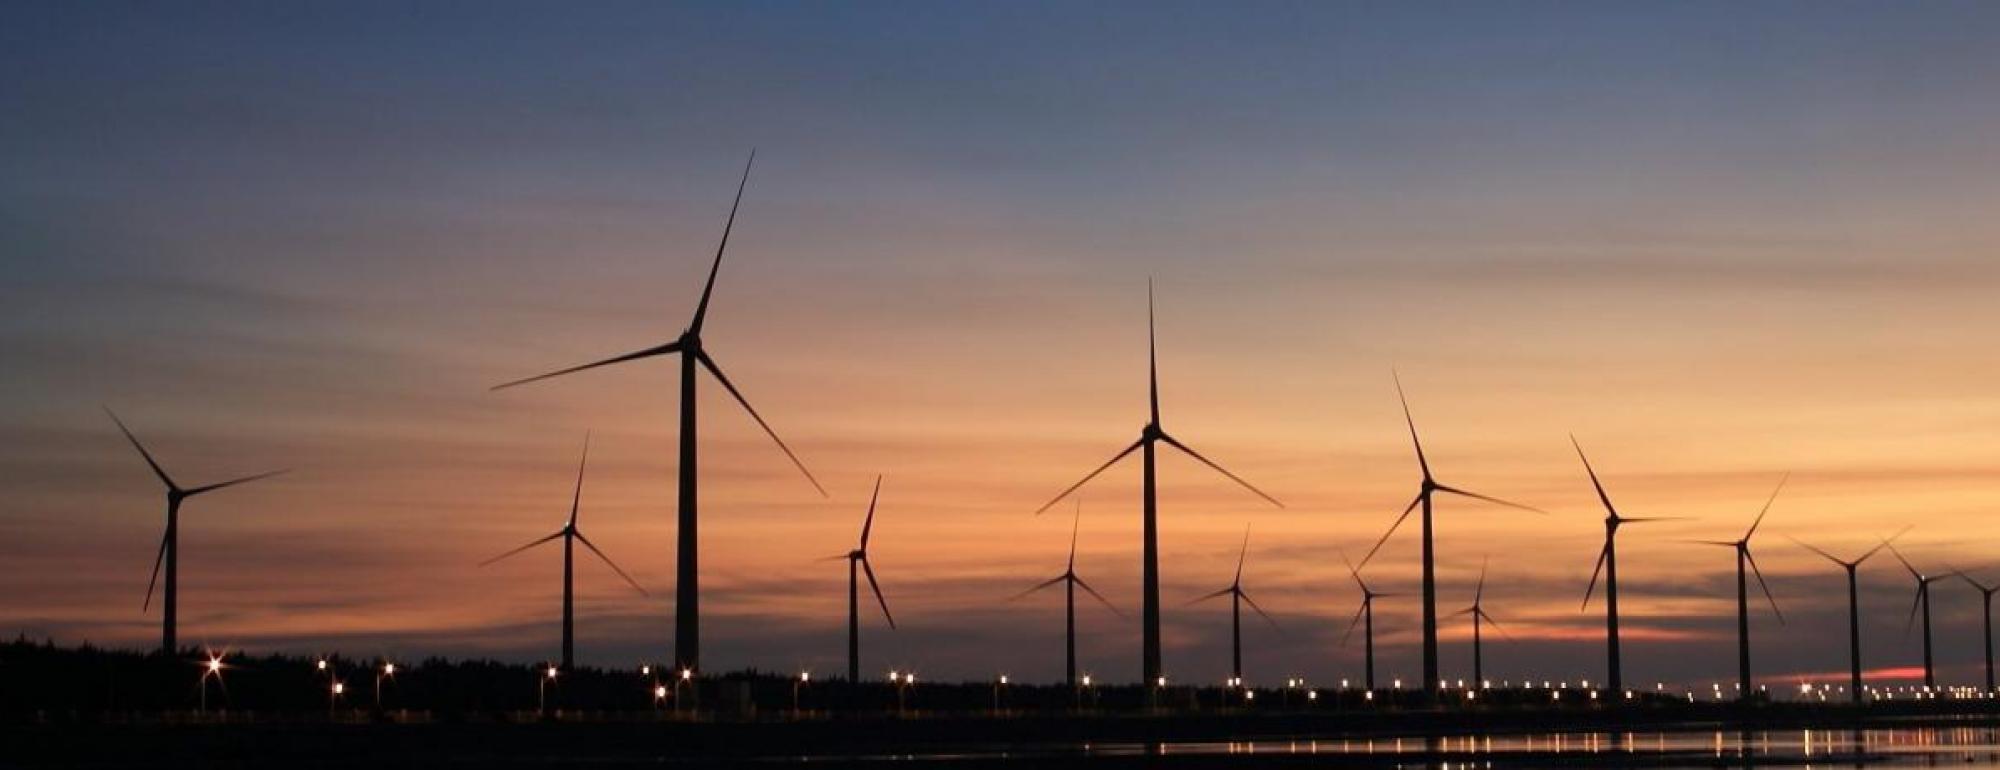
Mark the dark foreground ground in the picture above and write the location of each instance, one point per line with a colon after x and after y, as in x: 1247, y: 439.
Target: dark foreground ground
x: 1708, y: 737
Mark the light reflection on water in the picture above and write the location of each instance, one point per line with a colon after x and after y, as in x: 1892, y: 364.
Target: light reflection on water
x: 1974, y: 747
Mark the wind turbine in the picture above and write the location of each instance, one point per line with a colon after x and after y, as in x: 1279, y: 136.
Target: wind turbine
x: 1070, y: 583
x: 1986, y: 604
x: 687, y: 593
x: 1478, y: 613
x: 1607, y: 565
x: 1237, y: 598
x: 571, y: 535
x: 170, y: 540
x: 859, y: 556
x: 1922, y: 599
x: 1425, y: 492
x: 1365, y: 615
x: 1853, y: 608
x: 1149, y: 436
x: 1743, y: 557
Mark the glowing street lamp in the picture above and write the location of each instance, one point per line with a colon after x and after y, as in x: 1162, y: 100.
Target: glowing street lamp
x: 388, y: 671
x: 805, y: 677
x: 998, y: 685
x: 212, y: 668
x: 542, y: 689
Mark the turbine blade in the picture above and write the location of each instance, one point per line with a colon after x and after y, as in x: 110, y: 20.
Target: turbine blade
x: 1761, y: 584
x: 1602, y: 554
x: 612, y: 564
x: 1916, y: 600
x: 835, y: 557
x: 1260, y: 610
x: 1884, y: 544
x: 1038, y: 586
x: 1219, y: 469
x: 1608, y: 508
x: 658, y: 350
x: 1810, y: 547
x: 1767, y: 506
x: 1206, y: 597
x: 1352, y: 570
x: 1074, y: 526
x: 234, y: 482
x: 156, y: 573
x: 1898, y: 553
x: 1152, y: 356
x: 1355, y: 622
x: 1494, y: 500
x: 522, y: 548
x: 150, y: 462
x: 709, y: 363
x: 1496, y: 625
x: 868, y: 524
x: 1727, y: 543
x: 1422, y: 462
x: 701, y: 310
x: 1480, y: 592
x: 1099, y: 597
x: 877, y: 588
x: 1093, y: 474
x: 1392, y: 530
x: 576, y: 500
x: 1242, y: 553
x: 1650, y: 519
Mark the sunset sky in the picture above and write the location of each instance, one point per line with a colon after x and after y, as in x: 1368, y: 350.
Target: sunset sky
x: 1716, y: 241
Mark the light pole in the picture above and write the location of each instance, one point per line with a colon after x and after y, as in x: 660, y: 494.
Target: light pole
x: 997, y: 685
x: 686, y: 678
x: 804, y: 678
x: 388, y: 671
x: 542, y: 690
x: 902, y: 682
x: 213, y: 668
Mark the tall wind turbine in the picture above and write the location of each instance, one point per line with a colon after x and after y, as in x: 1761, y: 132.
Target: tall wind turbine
x: 1922, y: 600
x: 1607, y: 565
x: 1070, y: 583
x: 1478, y: 613
x: 170, y: 540
x: 1743, y: 557
x: 1853, y: 608
x: 1986, y: 604
x: 1237, y: 598
x: 1425, y: 492
x: 1149, y: 436
x: 859, y: 557
x: 1365, y: 616
x: 687, y: 593
x: 571, y: 536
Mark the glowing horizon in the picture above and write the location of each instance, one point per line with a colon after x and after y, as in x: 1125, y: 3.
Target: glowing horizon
x: 1712, y: 264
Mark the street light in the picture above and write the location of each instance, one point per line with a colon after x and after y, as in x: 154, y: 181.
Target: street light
x: 388, y: 670
x: 998, y: 684
x: 213, y: 668
x: 804, y: 678
x: 542, y: 689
